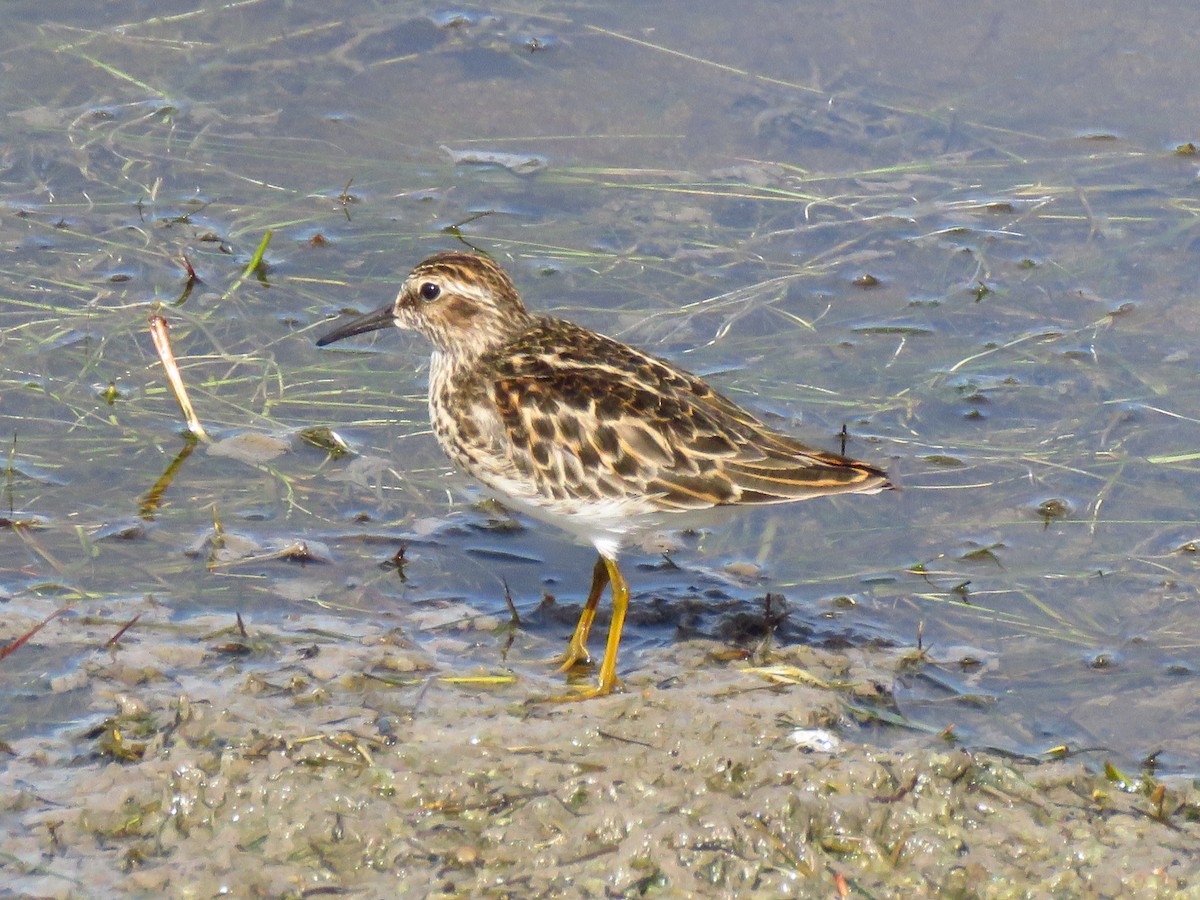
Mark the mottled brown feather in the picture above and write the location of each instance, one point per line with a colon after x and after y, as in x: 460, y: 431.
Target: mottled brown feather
x: 659, y: 432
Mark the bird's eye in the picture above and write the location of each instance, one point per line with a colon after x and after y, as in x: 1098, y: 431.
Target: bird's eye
x: 429, y: 291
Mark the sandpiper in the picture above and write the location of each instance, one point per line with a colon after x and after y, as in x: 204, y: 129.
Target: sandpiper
x: 585, y: 432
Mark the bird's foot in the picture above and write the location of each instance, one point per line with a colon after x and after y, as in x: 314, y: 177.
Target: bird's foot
x: 575, y: 655
x: 583, y: 692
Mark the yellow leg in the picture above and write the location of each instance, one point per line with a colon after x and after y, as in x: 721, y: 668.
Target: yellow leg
x: 608, y: 666
x: 577, y: 651
x: 620, y: 595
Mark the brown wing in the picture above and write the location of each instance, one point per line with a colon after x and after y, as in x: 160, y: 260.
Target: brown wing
x: 594, y: 419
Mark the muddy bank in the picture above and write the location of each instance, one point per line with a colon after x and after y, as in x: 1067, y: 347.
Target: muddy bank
x: 300, y: 767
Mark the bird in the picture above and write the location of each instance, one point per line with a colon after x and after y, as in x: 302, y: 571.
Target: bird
x: 587, y: 433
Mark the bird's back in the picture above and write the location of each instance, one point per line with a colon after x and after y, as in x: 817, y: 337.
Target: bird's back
x: 577, y: 423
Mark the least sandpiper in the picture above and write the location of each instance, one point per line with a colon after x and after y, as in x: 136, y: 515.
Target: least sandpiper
x: 585, y: 432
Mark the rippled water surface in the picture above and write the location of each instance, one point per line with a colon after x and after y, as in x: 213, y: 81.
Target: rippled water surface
x: 969, y: 235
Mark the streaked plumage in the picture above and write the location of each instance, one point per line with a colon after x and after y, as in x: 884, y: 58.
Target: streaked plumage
x: 586, y: 432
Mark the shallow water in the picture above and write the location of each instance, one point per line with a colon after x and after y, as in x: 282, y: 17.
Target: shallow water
x: 967, y: 235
